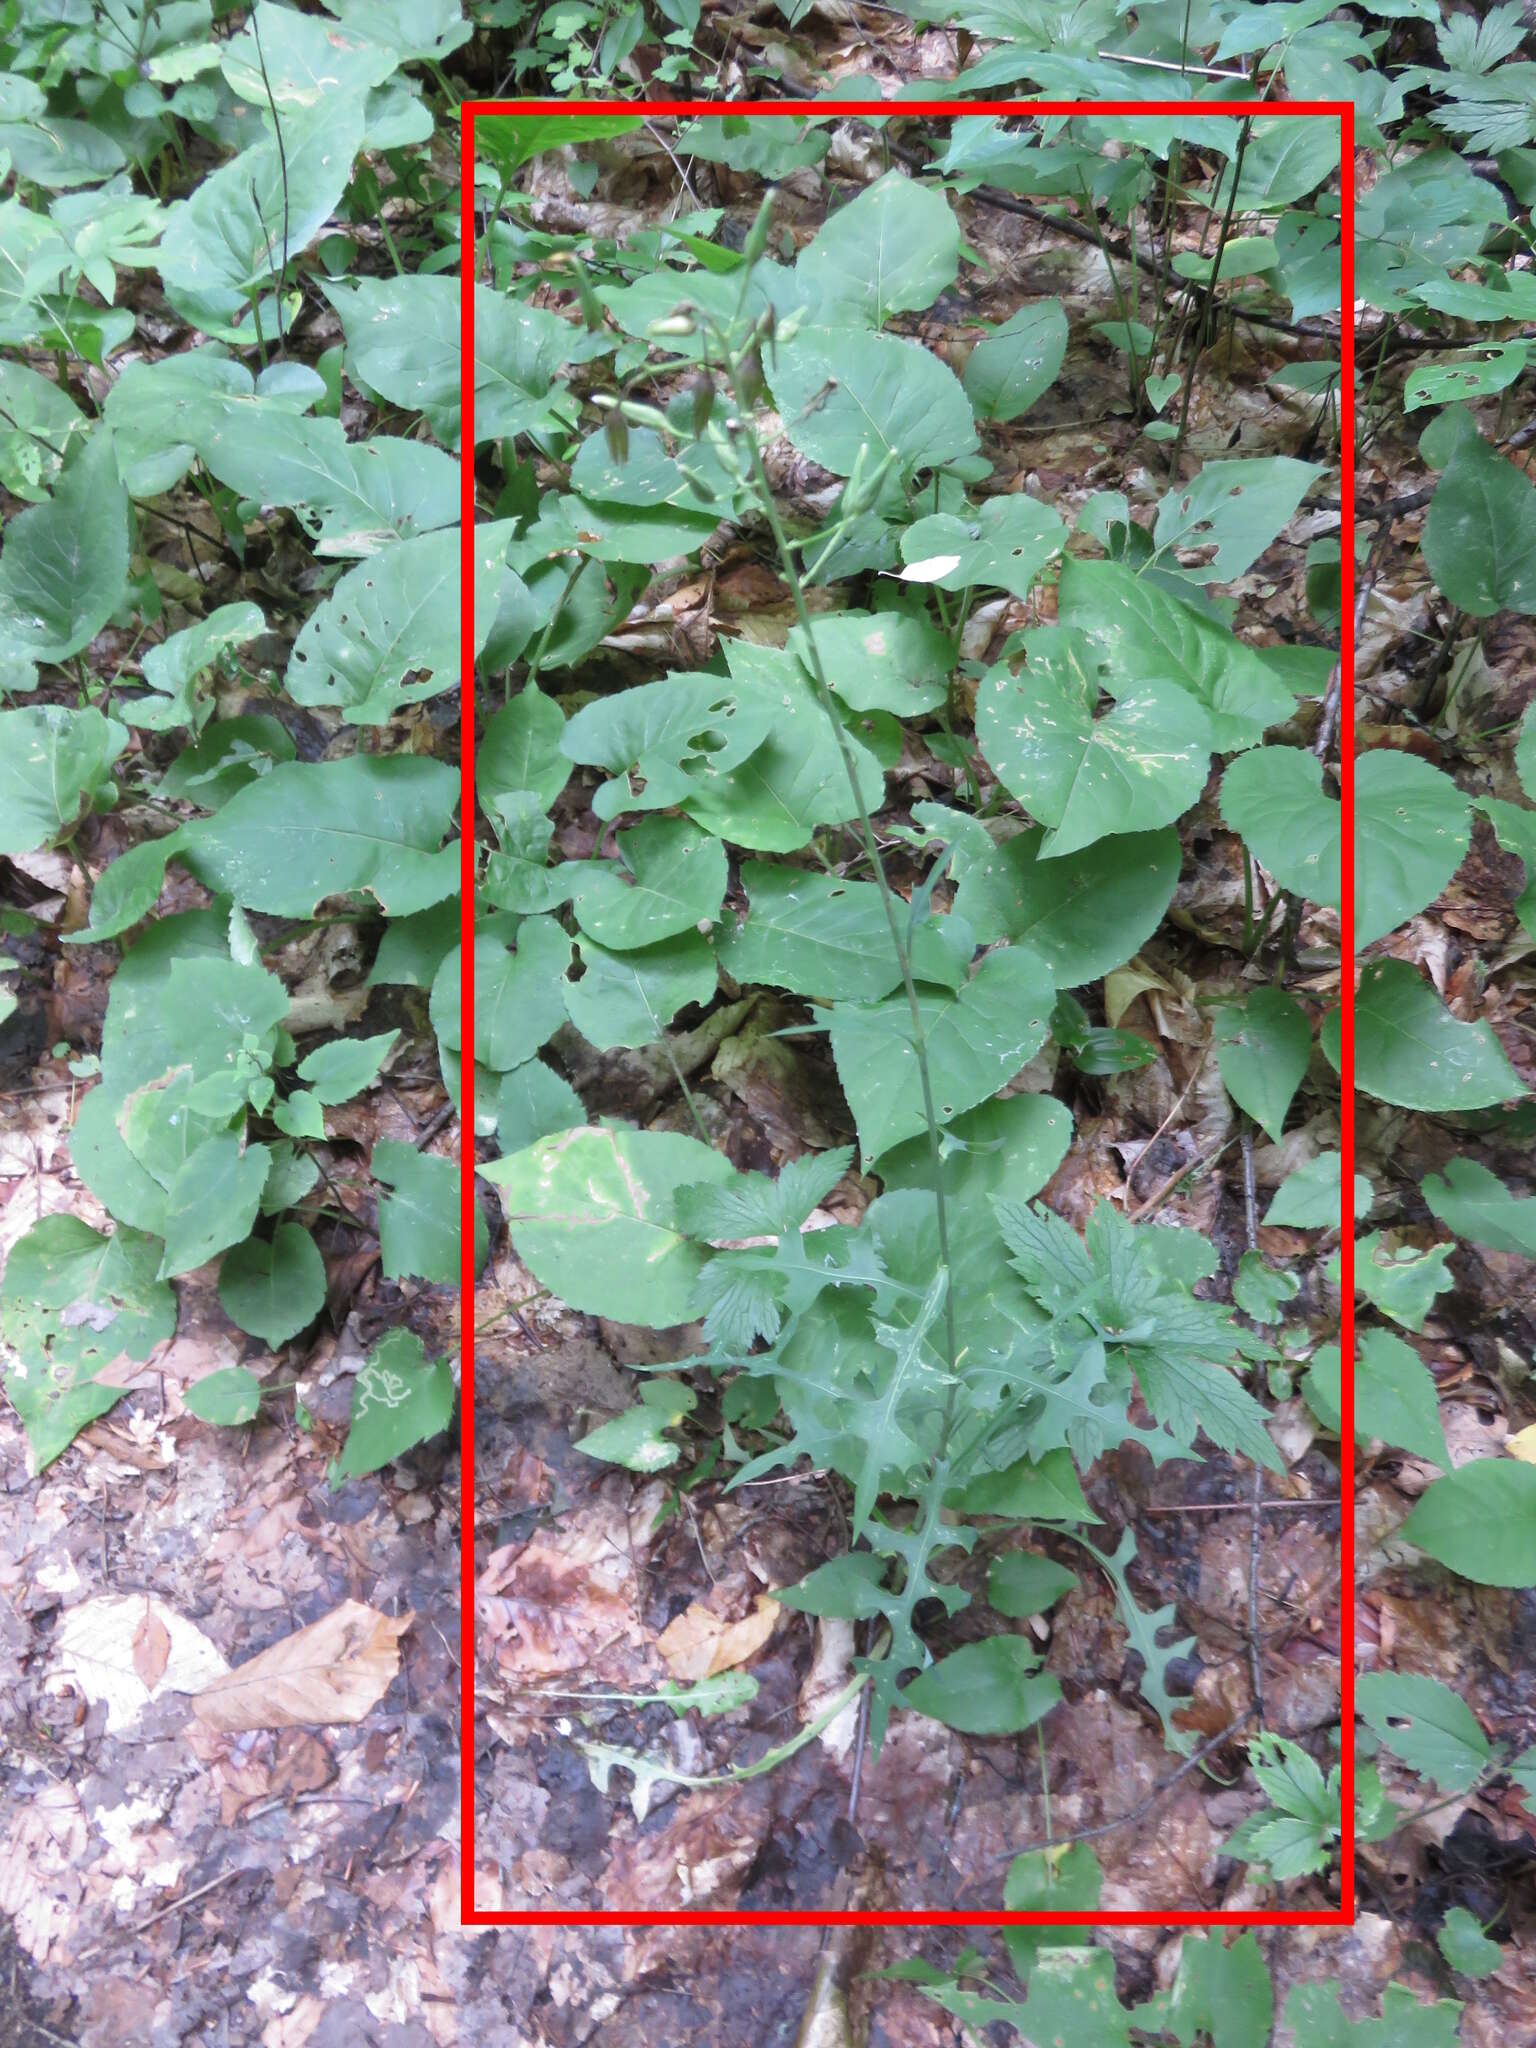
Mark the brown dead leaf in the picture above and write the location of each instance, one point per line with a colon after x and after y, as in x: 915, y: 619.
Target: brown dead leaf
x: 337, y: 1669
x: 151, y: 1648
x: 127, y: 1648
x: 698, y: 1644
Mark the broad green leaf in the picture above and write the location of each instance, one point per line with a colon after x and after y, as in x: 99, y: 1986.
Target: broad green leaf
x: 1260, y: 1291
x: 1142, y: 635
x: 881, y: 661
x: 72, y: 1302
x: 989, y: 1688
x: 1221, y: 1994
x: 1430, y: 1727
x: 419, y: 1220
x: 1133, y: 770
x: 892, y: 249
x: 1004, y: 543
x: 257, y: 214
x: 64, y: 566
x: 400, y: 1398
x: 55, y: 765
x: 1236, y: 507
x: 766, y: 144
x: 1480, y: 535
x: 175, y: 665
x: 1014, y: 364
x: 1045, y: 1489
x: 38, y: 425
x: 1061, y: 1880
x: 311, y: 830
x: 878, y: 397
x: 1263, y: 1045
x: 393, y: 617
x: 1084, y: 913
x: 1413, y: 827
x: 351, y: 497
x: 1466, y: 1947
x: 590, y: 1212
x: 817, y: 935
x: 273, y: 1287
x: 1010, y: 1145
x: 1399, y: 1280
x: 1274, y: 797
x: 637, y: 1439
x: 795, y: 780
x: 520, y: 750
x: 213, y: 1201
x: 1395, y: 1398
x: 1284, y: 161
x: 227, y: 1398
x: 848, y: 1587
x: 336, y: 1072
x: 1466, y: 377
x: 1020, y: 1584
x: 977, y: 1038
x: 669, y: 878
x: 518, y: 1005
x: 628, y: 999
x: 403, y: 345
x: 531, y: 1102
x: 1475, y: 1203
x: 1312, y: 1197
x: 1481, y: 1521
x: 511, y: 140
x: 1410, y: 1050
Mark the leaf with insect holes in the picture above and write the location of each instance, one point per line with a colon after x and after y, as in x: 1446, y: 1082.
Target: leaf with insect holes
x: 1430, y: 1727
x: 628, y: 999
x: 1235, y: 506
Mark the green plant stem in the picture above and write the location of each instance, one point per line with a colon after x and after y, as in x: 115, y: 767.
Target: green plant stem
x: 887, y: 895
x: 1210, y: 296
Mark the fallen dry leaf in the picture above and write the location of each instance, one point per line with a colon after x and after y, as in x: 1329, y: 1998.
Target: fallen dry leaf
x: 337, y: 1669
x: 698, y: 1644
x: 127, y: 1649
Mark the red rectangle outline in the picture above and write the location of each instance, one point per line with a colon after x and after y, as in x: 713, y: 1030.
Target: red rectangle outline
x: 1342, y: 111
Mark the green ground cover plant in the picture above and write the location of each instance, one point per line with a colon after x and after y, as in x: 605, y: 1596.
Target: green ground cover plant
x: 920, y: 820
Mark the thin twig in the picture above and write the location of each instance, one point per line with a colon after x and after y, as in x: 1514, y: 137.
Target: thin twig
x: 1143, y: 1806
x: 1256, y: 1490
